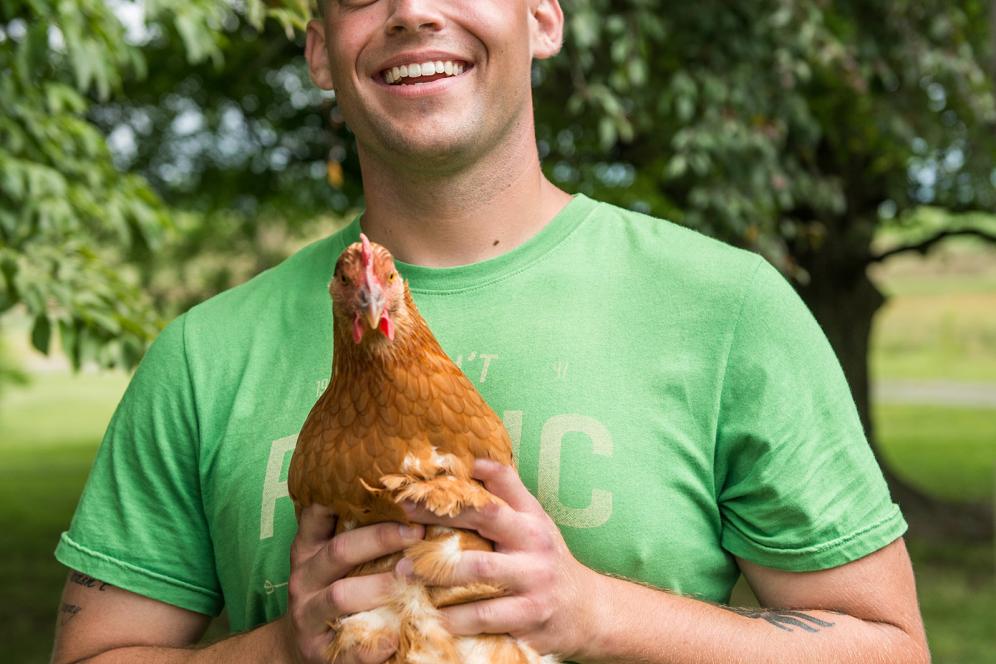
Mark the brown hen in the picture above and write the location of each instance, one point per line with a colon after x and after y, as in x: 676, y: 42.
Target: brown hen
x: 400, y: 421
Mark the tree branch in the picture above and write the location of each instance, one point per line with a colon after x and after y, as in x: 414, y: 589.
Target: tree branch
x: 924, y: 246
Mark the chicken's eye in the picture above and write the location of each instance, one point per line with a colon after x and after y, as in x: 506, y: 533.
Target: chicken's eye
x: 390, y: 277
x: 344, y: 279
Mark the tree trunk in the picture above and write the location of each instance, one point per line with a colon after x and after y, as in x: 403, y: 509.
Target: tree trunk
x: 992, y: 40
x: 845, y: 301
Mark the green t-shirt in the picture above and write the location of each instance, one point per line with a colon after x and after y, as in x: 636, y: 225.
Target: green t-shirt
x: 671, y: 401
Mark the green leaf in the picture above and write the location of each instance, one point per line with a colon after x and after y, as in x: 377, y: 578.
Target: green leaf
x: 68, y: 338
x: 41, y: 333
x: 584, y: 27
x: 607, y: 133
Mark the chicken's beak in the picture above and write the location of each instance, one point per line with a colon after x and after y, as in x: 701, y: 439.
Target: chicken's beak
x: 373, y: 317
x: 372, y: 298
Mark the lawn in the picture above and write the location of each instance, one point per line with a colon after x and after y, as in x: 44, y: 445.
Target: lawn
x: 941, y: 323
x: 950, y: 452
x: 48, y: 435
x: 939, y: 320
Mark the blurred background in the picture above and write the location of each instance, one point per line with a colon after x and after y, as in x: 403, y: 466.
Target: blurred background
x: 155, y: 153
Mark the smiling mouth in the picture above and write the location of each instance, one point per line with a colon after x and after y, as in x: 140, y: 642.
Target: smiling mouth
x: 426, y: 72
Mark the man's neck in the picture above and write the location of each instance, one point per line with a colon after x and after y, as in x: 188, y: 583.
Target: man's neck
x: 456, y: 218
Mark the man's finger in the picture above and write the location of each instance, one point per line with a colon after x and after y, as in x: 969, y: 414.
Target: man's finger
x: 347, y: 550
x: 504, y: 482
x: 512, y: 572
x: 347, y: 596
x: 315, y: 526
x: 468, y: 519
x: 508, y: 529
x: 505, y: 615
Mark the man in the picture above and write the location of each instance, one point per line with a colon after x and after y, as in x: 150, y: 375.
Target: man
x: 678, y: 411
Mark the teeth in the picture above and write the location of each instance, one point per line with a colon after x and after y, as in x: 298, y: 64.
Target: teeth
x: 416, y: 70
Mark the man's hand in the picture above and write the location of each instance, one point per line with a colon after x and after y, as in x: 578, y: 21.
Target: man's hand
x: 320, y: 593
x: 551, y: 594
x: 559, y: 606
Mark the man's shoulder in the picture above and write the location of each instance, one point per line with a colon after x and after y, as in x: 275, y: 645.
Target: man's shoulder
x: 267, y: 311
x: 677, y: 251
x: 283, y: 287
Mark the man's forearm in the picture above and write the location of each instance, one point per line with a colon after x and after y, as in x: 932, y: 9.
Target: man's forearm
x: 264, y: 644
x: 639, y: 624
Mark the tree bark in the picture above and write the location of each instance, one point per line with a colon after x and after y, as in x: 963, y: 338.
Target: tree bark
x: 844, y: 300
x: 992, y: 40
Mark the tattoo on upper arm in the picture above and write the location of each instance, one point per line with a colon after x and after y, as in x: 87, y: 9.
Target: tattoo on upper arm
x: 88, y: 581
x: 68, y: 612
x: 783, y: 619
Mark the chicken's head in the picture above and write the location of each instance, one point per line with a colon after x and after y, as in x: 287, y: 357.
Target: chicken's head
x: 367, y: 290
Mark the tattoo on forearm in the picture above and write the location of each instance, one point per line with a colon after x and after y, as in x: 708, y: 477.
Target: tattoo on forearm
x: 68, y: 612
x: 783, y: 619
x: 88, y: 581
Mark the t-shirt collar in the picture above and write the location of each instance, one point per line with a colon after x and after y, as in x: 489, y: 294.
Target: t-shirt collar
x: 473, y: 275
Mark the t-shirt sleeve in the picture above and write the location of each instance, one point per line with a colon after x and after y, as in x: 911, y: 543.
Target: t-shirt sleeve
x: 798, y: 486
x: 140, y: 523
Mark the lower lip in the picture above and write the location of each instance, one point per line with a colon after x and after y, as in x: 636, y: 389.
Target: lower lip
x: 423, y: 89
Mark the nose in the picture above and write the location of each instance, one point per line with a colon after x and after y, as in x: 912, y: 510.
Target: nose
x: 414, y: 16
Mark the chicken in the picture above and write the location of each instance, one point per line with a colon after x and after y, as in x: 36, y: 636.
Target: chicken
x: 398, y: 422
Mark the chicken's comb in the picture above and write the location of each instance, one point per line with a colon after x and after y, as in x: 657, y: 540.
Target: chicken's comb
x: 366, y: 259
x: 367, y: 256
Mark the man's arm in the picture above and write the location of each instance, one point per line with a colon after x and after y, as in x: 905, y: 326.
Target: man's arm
x: 864, y: 612
x: 101, y: 624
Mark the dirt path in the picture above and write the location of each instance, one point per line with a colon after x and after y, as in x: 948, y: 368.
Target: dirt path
x: 936, y: 393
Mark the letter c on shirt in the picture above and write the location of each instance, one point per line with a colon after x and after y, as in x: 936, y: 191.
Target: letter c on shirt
x: 551, y: 441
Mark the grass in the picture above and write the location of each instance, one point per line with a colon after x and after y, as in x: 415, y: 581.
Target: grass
x: 949, y: 452
x: 928, y: 335
x: 957, y: 592
x: 48, y: 436
x: 940, y: 324
x: 940, y: 318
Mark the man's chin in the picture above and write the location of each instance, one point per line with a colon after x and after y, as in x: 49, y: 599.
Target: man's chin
x: 429, y: 153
